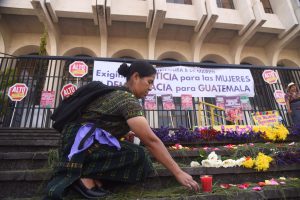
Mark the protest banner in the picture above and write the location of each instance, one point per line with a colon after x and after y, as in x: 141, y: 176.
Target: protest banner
x: 178, y: 80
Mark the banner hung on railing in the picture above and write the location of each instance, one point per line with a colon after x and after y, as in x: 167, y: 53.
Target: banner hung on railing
x: 178, y: 80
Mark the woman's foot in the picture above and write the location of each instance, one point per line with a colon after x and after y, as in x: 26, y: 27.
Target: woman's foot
x: 98, y: 183
x: 88, y: 189
x: 99, y: 186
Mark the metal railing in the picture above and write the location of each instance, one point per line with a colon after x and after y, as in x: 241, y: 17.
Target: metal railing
x: 51, y: 74
x: 210, y: 115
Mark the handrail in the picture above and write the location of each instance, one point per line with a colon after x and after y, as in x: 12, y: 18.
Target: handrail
x: 211, y: 110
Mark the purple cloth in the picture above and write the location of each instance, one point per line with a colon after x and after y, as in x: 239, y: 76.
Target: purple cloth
x: 102, y: 136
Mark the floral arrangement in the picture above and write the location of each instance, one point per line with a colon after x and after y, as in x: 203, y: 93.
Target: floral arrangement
x: 286, y: 158
x: 276, y: 133
x: 260, y: 163
x: 213, y: 160
x: 273, y: 133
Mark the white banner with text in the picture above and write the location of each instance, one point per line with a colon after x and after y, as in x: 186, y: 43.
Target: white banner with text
x: 178, y: 80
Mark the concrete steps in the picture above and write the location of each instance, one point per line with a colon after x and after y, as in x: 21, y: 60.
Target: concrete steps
x: 24, y: 172
x: 28, y: 140
x: 23, y: 160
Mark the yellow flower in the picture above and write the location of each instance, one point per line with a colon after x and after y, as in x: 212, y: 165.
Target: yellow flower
x: 282, y: 132
x: 248, y: 163
x: 278, y: 132
x: 262, y: 162
x: 255, y: 129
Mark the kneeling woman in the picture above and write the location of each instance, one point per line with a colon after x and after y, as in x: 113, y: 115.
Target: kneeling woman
x: 103, y: 157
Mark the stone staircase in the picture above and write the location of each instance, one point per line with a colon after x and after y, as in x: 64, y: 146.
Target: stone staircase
x: 25, y: 169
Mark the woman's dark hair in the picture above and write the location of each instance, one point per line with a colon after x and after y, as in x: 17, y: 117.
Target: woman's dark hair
x: 143, y: 68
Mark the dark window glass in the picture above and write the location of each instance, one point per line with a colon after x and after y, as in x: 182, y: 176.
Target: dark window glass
x: 225, y: 4
x: 267, y: 6
x: 180, y: 1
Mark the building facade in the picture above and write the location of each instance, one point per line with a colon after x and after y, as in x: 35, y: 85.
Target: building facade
x: 248, y: 32
x: 257, y: 32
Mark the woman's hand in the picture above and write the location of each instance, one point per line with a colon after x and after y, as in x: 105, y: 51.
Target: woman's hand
x: 289, y: 111
x: 129, y: 136
x: 187, y: 180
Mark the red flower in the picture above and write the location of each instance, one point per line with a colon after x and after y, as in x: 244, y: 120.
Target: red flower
x: 243, y: 186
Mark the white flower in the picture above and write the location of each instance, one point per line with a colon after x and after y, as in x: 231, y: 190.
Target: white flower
x: 171, y: 133
x: 216, y: 163
x: 240, y: 161
x: 211, y: 163
x: 228, y: 163
x: 206, y: 163
x: 212, y: 156
x: 195, y: 164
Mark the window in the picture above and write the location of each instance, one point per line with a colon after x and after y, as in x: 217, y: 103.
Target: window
x: 225, y: 4
x: 189, y: 2
x: 267, y: 6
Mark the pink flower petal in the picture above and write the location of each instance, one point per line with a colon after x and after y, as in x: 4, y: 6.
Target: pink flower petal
x: 225, y: 186
x: 257, y: 188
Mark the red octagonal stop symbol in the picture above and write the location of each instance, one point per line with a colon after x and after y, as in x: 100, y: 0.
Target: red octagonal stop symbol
x: 78, y: 69
x: 68, y: 90
x: 17, y: 92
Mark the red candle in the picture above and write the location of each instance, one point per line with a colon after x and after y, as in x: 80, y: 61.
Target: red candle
x: 206, y: 182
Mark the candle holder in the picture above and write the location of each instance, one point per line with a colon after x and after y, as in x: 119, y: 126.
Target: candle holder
x: 206, y: 183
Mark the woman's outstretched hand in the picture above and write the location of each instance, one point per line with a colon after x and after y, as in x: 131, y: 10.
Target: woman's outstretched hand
x: 187, y: 180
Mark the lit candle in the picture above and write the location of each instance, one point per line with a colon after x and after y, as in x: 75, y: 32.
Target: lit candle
x: 206, y: 182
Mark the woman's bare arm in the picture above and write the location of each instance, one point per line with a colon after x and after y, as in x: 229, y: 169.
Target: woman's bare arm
x: 139, y: 125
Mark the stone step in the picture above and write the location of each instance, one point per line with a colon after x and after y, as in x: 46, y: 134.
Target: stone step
x: 32, y: 182
x: 233, y: 172
x: 28, y: 139
x: 27, y: 130
x: 23, y: 160
x: 28, y: 145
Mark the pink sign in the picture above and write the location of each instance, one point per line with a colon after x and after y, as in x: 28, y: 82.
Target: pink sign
x: 168, y: 103
x: 220, y: 101
x: 186, y: 102
x: 150, y: 102
x: 270, y: 76
x: 47, y: 99
x: 279, y: 97
x: 233, y: 109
